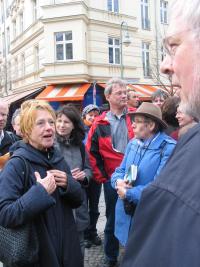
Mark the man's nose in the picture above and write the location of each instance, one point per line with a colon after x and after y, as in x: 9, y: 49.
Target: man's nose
x: 166, y: 65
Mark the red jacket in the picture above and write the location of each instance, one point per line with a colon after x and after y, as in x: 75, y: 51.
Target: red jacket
x: 103, y: 158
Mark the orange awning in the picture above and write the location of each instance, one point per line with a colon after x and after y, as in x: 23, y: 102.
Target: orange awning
x: 71, y: 92
x: 144, y: 91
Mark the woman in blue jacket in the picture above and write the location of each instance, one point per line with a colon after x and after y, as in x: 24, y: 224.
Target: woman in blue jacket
x: 145, y: 156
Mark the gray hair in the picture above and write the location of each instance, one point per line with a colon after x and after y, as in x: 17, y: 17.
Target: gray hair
x: 129, y: 91
x: 184, y: 109
x: 111, y: 82
x: 187, y: 11
x: 159, y: 93
x: 14, y: 116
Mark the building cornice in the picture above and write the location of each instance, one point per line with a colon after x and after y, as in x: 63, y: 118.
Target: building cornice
x: 75, y: 78
x: 28, y: 87
x: 83, y: 17
x: 26, y: 76
x: 26, y: 40
x: 72, y: 3
x: 88, y: 18
x: 64, y: 18
x: 115, y: 25
x: 89, y: 64
x: 64, y: 63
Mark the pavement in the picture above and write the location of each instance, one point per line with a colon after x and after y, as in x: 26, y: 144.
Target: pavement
x: 94, y: 256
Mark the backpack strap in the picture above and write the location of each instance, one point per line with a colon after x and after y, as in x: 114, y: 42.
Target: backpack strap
x: 25, y: 172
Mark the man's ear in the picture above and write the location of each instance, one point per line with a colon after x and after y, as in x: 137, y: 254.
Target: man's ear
x: 107, y: 97
x: 152, y: 125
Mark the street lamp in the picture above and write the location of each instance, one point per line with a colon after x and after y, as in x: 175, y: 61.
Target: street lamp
x: 124, y: 39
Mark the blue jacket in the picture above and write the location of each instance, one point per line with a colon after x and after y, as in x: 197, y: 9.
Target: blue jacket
x: 150, y: 157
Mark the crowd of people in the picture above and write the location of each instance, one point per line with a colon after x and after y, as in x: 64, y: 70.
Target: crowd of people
x: 143, y: 155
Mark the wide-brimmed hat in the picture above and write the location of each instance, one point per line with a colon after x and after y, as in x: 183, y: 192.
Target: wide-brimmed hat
x: 90, y: 108
x: 151, y: 111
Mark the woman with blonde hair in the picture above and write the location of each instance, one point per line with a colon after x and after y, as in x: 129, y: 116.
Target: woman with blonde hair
x: 52, y: 192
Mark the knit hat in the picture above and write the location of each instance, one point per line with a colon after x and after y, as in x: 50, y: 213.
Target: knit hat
x: 89, y: 108
x: 152, y: 111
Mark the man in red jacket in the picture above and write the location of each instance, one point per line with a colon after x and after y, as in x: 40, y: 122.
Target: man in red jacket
x: 106, y: 144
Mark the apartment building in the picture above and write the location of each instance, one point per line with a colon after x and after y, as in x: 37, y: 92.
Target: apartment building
x: 73, y: 45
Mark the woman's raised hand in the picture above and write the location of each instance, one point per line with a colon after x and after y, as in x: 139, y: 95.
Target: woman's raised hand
x: 47, y: 182
x: 60, y: 178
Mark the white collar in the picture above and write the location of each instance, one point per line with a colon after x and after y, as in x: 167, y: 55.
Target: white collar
x: 1, y: 136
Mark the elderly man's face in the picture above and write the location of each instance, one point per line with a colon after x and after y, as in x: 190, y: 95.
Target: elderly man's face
x: 182, y: 63
x: 3, y: 115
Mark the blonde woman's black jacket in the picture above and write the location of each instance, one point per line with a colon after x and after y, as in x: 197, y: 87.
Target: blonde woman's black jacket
x: 52, y: 214
x: 166, y: 230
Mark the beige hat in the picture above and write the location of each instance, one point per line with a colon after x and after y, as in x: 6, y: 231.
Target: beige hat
x: 152, y: 111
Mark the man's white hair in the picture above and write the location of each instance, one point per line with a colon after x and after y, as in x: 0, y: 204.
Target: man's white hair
x: 188, y: 11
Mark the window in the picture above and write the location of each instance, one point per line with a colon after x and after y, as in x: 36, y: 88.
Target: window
x: 23, y: 70
x: 14, y: 29
x: 163, y: 11
x: 34, y: 7
x: 145, y: 15
x: 9, y: 76
x: 146, y: 59
x: 36, y: 58
x: 21, y: 22
x: 64, y: 46
x: 3, y: 44
x: 113, y: 5
x: 2, y: 11
x: 16, y: 69
x: 114, y: 50
x: 7, y: 8
x: 8, y: 39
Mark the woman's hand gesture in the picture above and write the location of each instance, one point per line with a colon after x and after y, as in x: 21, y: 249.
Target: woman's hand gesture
x: 47, y: 182
x: 60, y: 178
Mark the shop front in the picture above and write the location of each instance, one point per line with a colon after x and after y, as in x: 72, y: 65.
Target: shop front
x: 80, y: 95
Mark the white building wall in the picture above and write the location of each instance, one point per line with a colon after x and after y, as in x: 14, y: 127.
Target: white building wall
x: 91, y: 25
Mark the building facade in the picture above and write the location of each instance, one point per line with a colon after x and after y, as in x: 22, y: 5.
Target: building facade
x: 45, y: 42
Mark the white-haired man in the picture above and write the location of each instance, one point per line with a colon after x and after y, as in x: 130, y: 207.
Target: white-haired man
x: 166, y: 223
